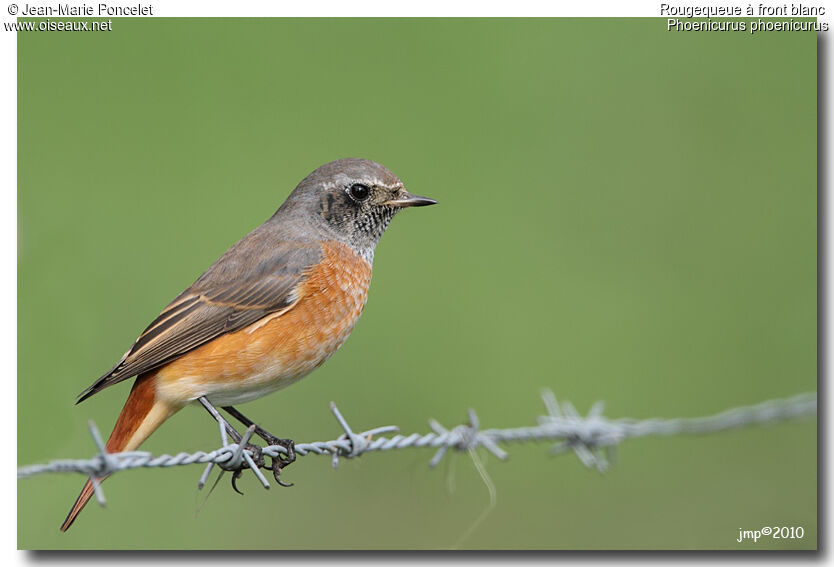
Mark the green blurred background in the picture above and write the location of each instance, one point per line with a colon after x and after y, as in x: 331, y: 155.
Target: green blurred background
x: 626, y: 214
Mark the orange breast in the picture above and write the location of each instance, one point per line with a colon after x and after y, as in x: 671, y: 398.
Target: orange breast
x: 280, y: 348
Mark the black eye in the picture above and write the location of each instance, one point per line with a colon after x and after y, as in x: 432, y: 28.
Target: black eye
x: 359, y: 192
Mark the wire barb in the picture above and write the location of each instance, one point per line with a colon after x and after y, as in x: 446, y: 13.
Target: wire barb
x: 591, y: 438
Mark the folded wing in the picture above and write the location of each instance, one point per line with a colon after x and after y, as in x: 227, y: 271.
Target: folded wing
x: 233, y: 293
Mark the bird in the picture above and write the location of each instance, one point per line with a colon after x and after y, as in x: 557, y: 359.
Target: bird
x: 273, y: 308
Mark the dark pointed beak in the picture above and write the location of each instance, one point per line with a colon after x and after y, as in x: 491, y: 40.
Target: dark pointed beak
x: 406, y: 199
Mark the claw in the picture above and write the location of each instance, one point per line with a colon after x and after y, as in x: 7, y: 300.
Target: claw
x: 236, y: 475
x: 289, y: 445
x: 282, y: 460
x: 282, y: 483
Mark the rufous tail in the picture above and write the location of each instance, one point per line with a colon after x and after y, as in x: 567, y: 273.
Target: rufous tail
x: 141, y: 415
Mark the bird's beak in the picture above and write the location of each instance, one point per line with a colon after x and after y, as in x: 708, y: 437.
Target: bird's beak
x: 406, y: 199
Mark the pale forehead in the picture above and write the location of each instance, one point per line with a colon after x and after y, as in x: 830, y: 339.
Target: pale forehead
x: 344, y: 179
x: 352, y: 170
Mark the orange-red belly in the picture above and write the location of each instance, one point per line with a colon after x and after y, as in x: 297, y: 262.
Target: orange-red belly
x: 280, y: 348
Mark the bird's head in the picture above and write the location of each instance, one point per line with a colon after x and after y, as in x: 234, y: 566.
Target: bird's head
x: 352, y: 200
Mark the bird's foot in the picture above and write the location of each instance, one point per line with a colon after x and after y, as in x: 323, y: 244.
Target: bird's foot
x: 258, y: 458
x: 283, y: 459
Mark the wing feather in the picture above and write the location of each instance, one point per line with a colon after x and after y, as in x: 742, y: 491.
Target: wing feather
x: 229, y: 296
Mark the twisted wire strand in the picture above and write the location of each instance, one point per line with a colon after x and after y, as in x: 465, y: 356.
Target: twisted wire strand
x: 590, y: 437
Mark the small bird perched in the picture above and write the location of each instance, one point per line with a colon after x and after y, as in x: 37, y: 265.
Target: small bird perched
x: 269, y: 311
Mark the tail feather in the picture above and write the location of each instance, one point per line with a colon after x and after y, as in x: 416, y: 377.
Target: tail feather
x: 86, y: 493
x: 141, y: 415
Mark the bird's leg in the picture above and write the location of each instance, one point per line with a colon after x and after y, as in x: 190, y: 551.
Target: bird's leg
x: 257, y: 452
x: 220, y: 419
x: 278, y: 463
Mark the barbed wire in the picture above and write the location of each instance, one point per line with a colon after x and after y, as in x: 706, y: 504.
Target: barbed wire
x: 591, y: 437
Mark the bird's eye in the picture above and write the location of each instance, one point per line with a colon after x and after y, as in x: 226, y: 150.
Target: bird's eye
x: 359, y: 192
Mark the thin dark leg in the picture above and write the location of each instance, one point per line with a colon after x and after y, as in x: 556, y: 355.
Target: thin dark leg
x: 220, y: 419
x: 259, y: 431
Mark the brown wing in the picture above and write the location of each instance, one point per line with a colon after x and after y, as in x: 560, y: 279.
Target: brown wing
x: 234, y: 292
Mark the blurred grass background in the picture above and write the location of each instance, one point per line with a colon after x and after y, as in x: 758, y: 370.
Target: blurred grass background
x: 625, y: 214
